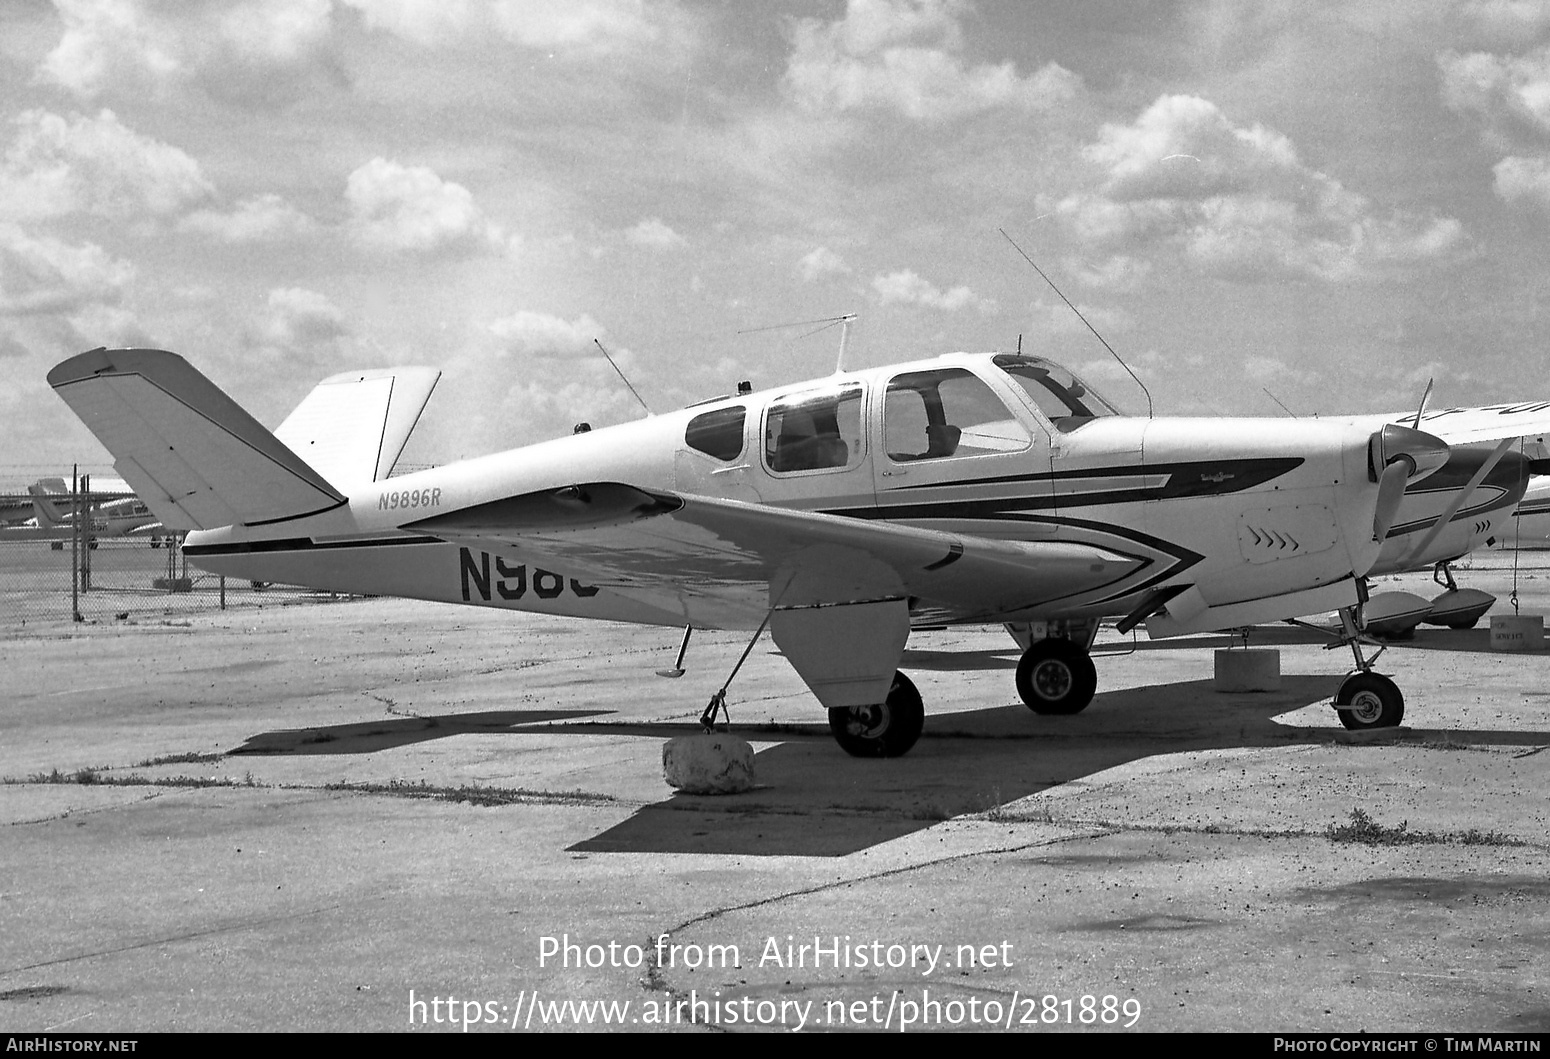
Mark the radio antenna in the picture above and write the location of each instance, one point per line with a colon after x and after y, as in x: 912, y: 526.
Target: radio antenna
x: 626, y: 382
x: 1084, y: 320
x: 1278, y: 401
x: 827, y: 322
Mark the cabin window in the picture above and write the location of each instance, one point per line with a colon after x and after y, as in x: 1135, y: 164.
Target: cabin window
x: 931, y: 415
x: 1057, y: 393
x: 718, y: 433
x: 814, y: 431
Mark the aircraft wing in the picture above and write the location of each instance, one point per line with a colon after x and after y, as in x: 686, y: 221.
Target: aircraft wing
x: 1463, y: 426
x: 746, y: 558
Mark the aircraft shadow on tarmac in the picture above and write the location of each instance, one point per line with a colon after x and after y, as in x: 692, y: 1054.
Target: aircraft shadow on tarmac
x: 813, y: 800
x: 367, y: 737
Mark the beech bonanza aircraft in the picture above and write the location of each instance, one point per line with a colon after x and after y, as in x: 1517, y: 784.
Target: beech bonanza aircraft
x: 972, y: 488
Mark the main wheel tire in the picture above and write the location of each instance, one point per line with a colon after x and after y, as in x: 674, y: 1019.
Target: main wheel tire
x: 1369, y: 700
x: 1056, y: 676
x: 887, y: 729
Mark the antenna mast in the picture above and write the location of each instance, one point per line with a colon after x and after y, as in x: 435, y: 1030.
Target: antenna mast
x: 1084, y: 320
x: 626, y: 382
x: 827, y: 322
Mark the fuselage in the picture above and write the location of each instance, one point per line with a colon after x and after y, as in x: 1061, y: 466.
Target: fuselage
x: 990, y: 445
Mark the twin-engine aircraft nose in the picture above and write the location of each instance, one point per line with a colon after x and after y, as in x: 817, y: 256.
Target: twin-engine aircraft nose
x: 1396, y: 456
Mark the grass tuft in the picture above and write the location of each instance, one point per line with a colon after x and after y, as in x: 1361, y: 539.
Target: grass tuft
x: 1364, y: 830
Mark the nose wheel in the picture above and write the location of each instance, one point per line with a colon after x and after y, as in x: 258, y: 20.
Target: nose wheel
x: 1369, y: 700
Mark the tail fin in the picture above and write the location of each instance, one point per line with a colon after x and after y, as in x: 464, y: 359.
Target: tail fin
x: 353, y: 427
x: 196, y: 458
x: 48, y: 512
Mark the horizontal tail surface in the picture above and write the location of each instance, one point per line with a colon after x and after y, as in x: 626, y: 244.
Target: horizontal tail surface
x: 192, y: 454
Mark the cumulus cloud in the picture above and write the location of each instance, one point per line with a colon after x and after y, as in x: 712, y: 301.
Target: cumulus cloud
x: 554, y: 375
x: 903, y: 55
x: 411, y: 208
x: 1056, y: 318
x: 905, y: 287
x: 1510, y: 94
x: 652, y: 232
x: 1237, y: 202
x: 1524, y: 180
x: 592, y: 25
x: 577, y: 27
x: 1504, y: 22
x: 1118, y: 273
x: 264, y: 218
x: 261, y: 52
x: 297, y: 315
x: 57, y: 166
x: 43, y: 275
x: 542, y: 335
x: 821, y: 262
x: 296, y: 325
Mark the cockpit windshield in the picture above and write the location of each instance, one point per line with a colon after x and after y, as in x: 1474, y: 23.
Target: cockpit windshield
x: 1058, y: 394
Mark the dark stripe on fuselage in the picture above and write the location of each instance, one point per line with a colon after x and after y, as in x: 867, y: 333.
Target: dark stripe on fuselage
x: 1511, y: 475
x: 1195, y: 478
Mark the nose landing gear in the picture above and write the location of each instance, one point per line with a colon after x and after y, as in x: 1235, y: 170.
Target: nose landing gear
x: 1366, y: 700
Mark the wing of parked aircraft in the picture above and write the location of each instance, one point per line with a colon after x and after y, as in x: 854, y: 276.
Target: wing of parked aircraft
x: 755, y: 556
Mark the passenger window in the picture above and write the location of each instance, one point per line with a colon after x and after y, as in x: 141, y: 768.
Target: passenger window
x: 930, y: 415
x: 718, y: 433
x: 814, y: 432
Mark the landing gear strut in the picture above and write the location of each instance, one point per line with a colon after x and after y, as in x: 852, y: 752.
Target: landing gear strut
x: 1366, y: 700
x: 1056, y: 676
x: 885, y: 729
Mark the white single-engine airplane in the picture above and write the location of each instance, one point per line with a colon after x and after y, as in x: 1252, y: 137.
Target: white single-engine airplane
x: 120, y: 517
x: 972, y: 488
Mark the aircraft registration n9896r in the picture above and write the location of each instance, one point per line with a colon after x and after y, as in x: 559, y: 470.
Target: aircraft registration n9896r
x: 970, y: 488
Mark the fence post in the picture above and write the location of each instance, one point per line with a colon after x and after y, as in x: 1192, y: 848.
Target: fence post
x: 75, y: 534
x: 85, y: 531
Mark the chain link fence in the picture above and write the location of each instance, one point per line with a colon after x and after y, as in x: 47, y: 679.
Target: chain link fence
x: 118, y: 579
x: 65, y: 570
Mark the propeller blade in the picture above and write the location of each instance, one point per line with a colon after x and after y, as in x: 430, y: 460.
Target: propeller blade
x: 1419, y: 412
x: 1391, y: 493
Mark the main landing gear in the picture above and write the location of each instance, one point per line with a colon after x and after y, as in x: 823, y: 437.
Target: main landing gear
x: 886, y: 729
x: 1056, y: 676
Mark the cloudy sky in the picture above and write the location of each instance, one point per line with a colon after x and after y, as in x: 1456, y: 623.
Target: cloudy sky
x: 1329, y: 200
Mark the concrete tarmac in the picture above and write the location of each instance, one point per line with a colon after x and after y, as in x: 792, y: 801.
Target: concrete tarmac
x: 386, y: 815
